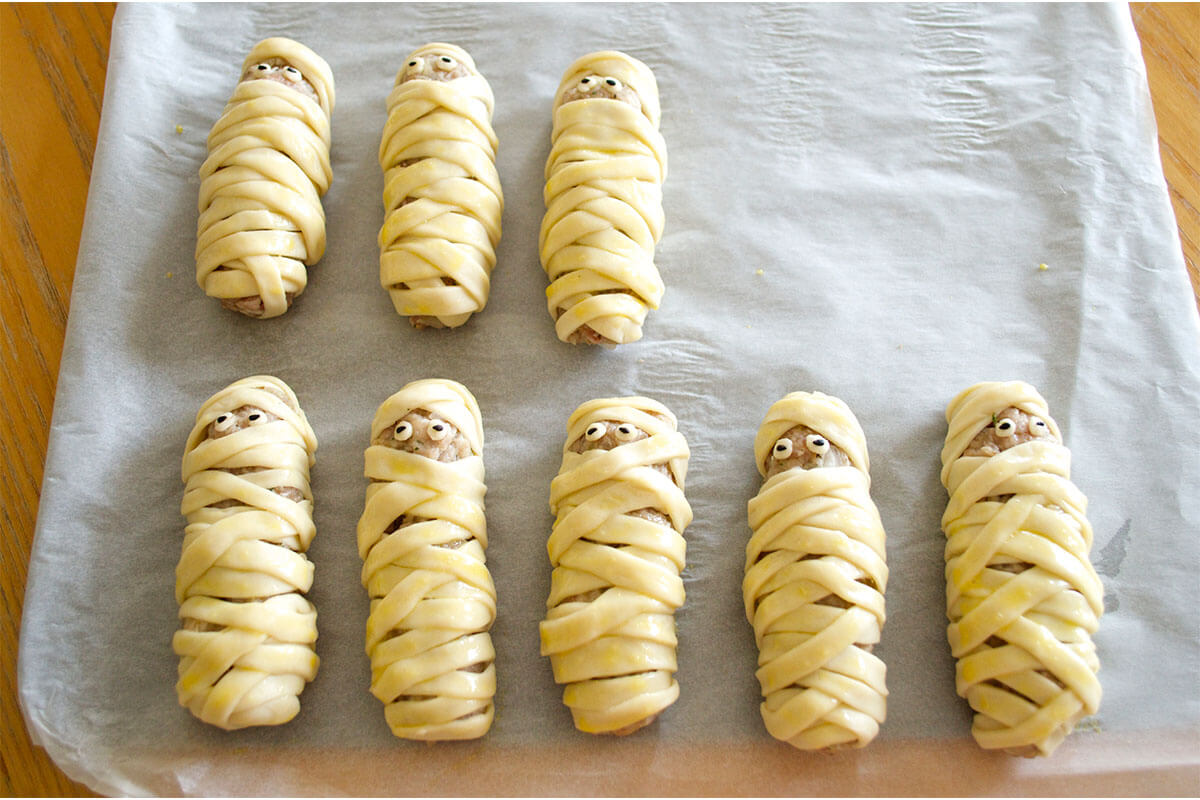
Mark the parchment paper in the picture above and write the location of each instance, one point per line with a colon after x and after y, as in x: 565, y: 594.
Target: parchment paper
x: 858, y: 201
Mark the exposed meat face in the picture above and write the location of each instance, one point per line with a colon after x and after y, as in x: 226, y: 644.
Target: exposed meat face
x: 239, y: 419
x: 804, y: 447
x: 596, y: 87
x: 280, y: 71
x: 1009, y: 428
x: 420, y: 432
x: 434, y: 66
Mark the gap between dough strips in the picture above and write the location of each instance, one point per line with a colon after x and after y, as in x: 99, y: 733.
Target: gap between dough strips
x: 261, y: 220
x: 815, y: 576
x: 422, y: 538
x: 442, y: 198
x: 247, y: 632
x: 617, y: 550
x: 603, y: 199
x: 1021, y: 595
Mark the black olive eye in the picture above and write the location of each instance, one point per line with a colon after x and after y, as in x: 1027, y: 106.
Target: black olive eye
x: 1005, y: 428
x: 626, y: 432
x: 224, y: 422
x: 256, y: 418
x: 817, y: 445
x: 412, y: 63
x: 438, y: 430
x: 782, y: 449
x: 292, y: 69
x: 403, y: 432
x: 262, y: 67
x: 594, y: 432
x: 447, y: 60
x: 612, y: 82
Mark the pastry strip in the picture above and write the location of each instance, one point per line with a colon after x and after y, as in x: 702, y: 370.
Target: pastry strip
x: 261, y: 220
x: 1021, y: 595
x: 247, y: 632
x: 422, y: 537
x: 442, y: 196
x: 603, y: 199
x: 617, y: 549
x: 815, y: 576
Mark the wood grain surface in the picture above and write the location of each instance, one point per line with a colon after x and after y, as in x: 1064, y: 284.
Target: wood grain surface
x: 52, y: 69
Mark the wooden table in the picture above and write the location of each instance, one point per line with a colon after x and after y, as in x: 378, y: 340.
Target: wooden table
x: 53, y: 68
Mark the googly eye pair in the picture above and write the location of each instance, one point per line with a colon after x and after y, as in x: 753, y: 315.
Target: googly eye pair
x: 814, y: 443
x: 594, y: 82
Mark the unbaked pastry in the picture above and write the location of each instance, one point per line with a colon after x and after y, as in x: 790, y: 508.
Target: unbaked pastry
x: 1021, y: 594
x: 261, y: 220
x: 441, y: 194
x: 603, y: 199
x: 617, y: 550
x: 422, y: 537
x: 815, y: 575
x: 245, y: 645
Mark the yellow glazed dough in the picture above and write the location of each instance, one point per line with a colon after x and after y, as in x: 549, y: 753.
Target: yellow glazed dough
x: 814, y: 581
x: 432, y: 598
x: 261, y: 220
x: 1022, y: 597
x: 617, y: 549
x: 442, y: 196
x: 603, y: 199
x: 245, y: 646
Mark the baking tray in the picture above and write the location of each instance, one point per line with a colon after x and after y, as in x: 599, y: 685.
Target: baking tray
x: 858, y: 201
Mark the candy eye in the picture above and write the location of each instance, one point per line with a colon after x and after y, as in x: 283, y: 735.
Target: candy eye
x: 612, y: 83
x: 782, y: 449
x: 1005, y: 428
x: 224, y: 422
x: 626, y: 432
x: 438, y: 430
x: 816, y: 444
x: 445, y: 63
x: 262, y: 67
x: 1038, y: 425
x: 256, y: 418
x: 588, y: 84
x: 595, y: 431
x: 403, y: 432
x: 292, y: 74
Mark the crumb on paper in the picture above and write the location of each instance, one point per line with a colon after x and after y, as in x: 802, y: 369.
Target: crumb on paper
x: 1043, y: 267
x: 758, y: 272
x: 170, y: 274
x: 1089, y: 725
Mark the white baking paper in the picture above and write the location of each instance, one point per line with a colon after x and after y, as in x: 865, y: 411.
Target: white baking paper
x: 858, y: 201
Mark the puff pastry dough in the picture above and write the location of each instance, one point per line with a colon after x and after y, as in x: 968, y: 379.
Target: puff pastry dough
x: 261, y: 220
x: 815, y: 575
x: 246, y: 643
x: 442, y: 193
x: 1021, y: 594
x: 603, y: 199
x: 422, y: 537
x: 617, y: 549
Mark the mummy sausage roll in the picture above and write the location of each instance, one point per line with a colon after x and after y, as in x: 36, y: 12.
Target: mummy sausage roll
x: 815, y: 576
x: 617, y: 549
x: 603, y: 200
x: 422, y: 537
x: 1021, y: 595
x: 245, y: 645
x: 261, y: 221
x: 442, y: 193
